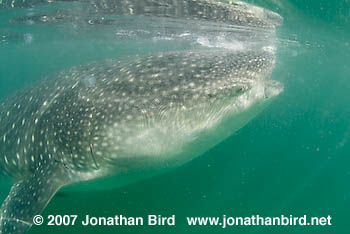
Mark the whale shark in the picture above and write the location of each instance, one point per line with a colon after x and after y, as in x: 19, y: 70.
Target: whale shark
x: 130, y: 116
x: 134, y: 117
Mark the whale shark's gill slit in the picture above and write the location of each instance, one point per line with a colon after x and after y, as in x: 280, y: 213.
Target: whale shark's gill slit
x: 93, y: 157
x: 72, y: 157
x: 96, y: 166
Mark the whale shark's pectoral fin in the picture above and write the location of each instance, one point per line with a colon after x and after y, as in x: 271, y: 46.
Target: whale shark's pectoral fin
x: 29, y: 196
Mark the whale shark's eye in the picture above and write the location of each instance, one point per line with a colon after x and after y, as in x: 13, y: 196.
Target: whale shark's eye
x: 240, y: 90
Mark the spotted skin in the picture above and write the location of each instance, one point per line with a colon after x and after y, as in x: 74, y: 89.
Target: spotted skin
x: 124, y: 116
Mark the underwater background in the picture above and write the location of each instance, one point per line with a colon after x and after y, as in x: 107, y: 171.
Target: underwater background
x: 290, y: 159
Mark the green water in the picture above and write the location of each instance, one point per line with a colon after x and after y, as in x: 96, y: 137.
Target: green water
x: 291, y: 159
